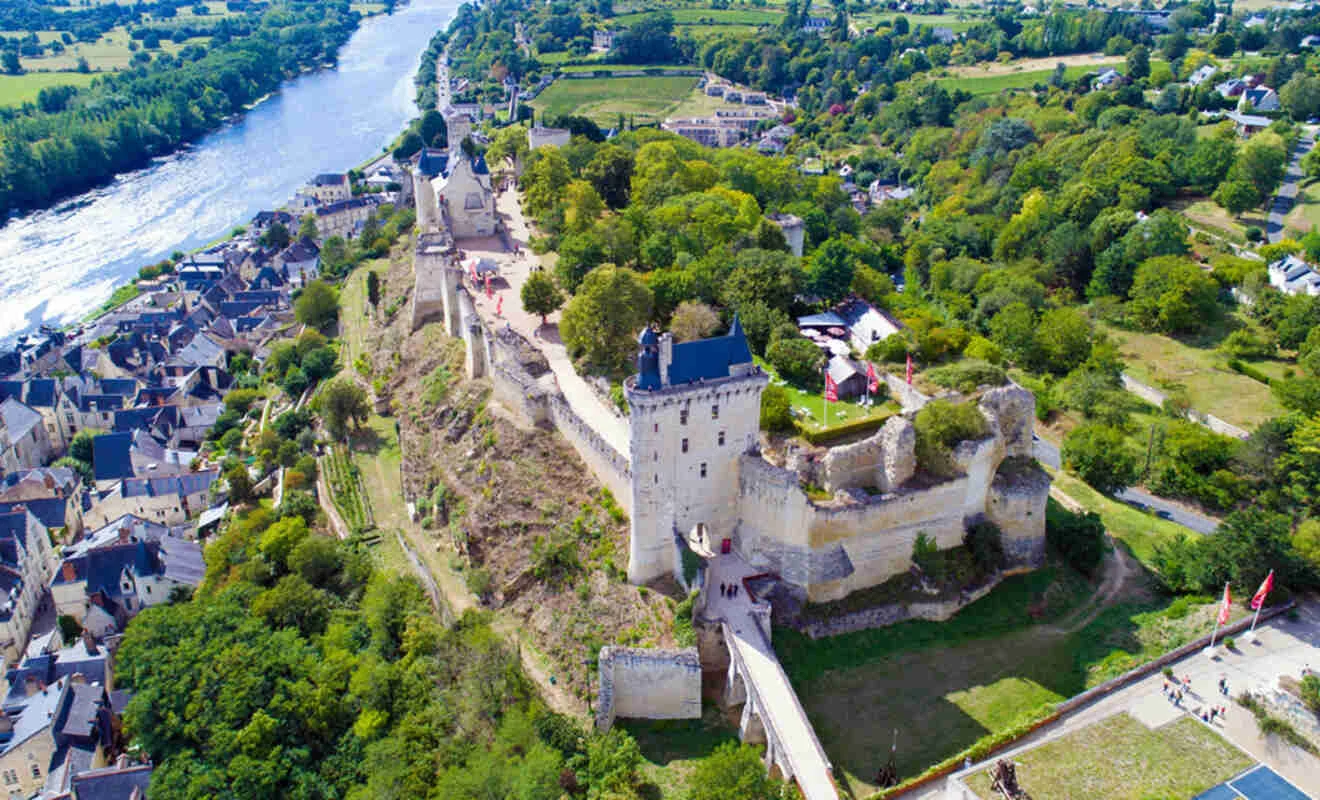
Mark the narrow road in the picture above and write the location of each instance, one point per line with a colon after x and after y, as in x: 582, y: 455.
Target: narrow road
x: 1287, y: 195
x: 1047, y: 453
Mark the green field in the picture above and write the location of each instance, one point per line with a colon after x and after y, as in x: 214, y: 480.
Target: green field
x: 950, y: 21
x: 1306, y: 214
x: 993, y: 84
x: 1139, y: 530
x: 604, y: 99
x: 605, y: 65
x: 16, y: 90
x: 1119, y: 758
x: 1211, y: 386
x: 107, y: 54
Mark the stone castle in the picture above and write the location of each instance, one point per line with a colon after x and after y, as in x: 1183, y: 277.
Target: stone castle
x: 697, y: 474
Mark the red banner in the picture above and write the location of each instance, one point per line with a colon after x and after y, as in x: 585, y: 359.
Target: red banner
x: 872, y: 380
x: 831, y: 389
x: 1226, y: 607
x: 909, y: 369
x: 1258, y: 599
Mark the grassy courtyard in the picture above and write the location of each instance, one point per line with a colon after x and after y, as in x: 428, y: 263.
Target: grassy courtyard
x: 1121, y: 759
x: 15, y: 90
x: 1005, y: 661
x: 646, y: 99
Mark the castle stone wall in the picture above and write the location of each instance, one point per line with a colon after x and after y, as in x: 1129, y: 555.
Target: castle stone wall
x: 637, y: 683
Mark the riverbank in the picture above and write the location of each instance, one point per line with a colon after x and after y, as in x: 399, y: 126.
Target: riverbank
x: 58, y: 265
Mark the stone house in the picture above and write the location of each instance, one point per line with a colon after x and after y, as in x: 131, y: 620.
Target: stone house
x: 25, y: 566
x: 301, y: 262
x: 1292, y: 275
x: 67, y: 721
x: 329, y: 187
x: 169, y: 500
x: 54, y: 495
x: 538, y: 136
x: 343, y: 218
x: 1260, y: 98
x: 23, y: 436
x: 602, y: 41
x: 46, y: 397
x: 465, y: 197
x: 124, y: 577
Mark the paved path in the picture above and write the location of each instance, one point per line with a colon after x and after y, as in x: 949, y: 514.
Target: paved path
x: 1047, y: 453
x: 1285, y: 648
x: 1287, y: 195
x: 514, y: 270
x: 785, y: 720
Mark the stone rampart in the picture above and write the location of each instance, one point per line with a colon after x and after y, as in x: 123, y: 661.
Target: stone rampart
x: 884, y: 616
x: 907, y: 396
x: 637, y: 683
x: 610, y: 467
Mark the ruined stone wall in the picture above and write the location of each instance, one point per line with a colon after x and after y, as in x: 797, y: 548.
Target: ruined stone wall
x: 884, y: 616
x: 605, y: 462
x: 431, y: 259
x: 637, y: 683
x: 1016, y: 503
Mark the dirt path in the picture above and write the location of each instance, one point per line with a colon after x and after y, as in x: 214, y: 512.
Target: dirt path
x: 1119, y: 569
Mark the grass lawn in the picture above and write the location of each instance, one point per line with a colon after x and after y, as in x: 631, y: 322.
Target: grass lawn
x: 15, y: 90
x: 671, y: 748
x: 809, y: 407
x: 1139, y: 530
x: 950, y: 21
x: 1119, y: 758
x: 1306, y: 213
x: 698, y: 104
x: 707, y: 31
x: 993, y: 84
x: 604, y: 99
x: 1211, y: 386
x: 602, y: 64
x: 1205, y: 213
x: 107, y: 54
x: 944, y: 686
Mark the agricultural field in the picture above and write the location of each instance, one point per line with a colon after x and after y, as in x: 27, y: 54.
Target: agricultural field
x: 107, y: 54
x: 605, y: 65
x: 954, y: 22
x: 646, y: 99
x: 1212, y: 387
x: 994, y: 84
x: 16, y: 90
x: 345, y: 484
x: 1206, y: 214
x: 1180, y: 759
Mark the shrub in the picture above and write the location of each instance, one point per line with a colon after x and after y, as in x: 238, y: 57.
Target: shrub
x: 986, y: 544
x: 797, y: 360
x: 1246, y: 369
x: 966, y: 376
x: 1245, y: 344
x: 1078, y: 538
x: 776, y: 410
x: 939, y: 427
x: 1254, y: 233
x: 684, y: 636
x: 892, y: 349
x: 1310, y: 691
x: 478, y: 581
x: 926, y: 555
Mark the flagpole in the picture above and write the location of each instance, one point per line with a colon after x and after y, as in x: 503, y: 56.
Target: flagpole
x: 1219, y: 616
x: 1251, y: 634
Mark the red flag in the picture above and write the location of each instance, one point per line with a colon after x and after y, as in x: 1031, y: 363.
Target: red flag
x: 489, y: 293
x: 909, y: 369
x: 499, y: 307
x: 872, y: 380
x: 1258, y: 599
x: 831, y: 389
x: 1226, y: 606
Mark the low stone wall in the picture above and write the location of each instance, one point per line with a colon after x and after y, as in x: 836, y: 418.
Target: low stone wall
x: 637, y: 683
x: 1155, y: 397
x: 907, y: 396
x: 884, y: 616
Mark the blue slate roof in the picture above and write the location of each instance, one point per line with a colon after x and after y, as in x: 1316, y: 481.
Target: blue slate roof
x: 124, y: 387
x: 50, y: 510
x: 104, y: 402
x: 431, y: 162
x: 110, y: 456
x: 267, y: 297
x: 10, y: 389
x: 708, y: 359
x: 268, y: 277
x: 112, y: 783
x: 234, y: 309
x: 40, y: 393
x: 180, y: 485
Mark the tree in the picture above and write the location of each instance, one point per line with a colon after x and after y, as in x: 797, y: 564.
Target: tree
x: 240, y: 485
x: 831, y: 272
x: 940, y: 425
x: 540, y: 295
x: 82, y: 445
x: 318, y: 305
x: 1014, y: 330
x: 1262, y: 161
x: 1063, y: 340
x: 276, y: 236
x: 1079, y: 538
x: 1138, y: 62
x: 610, y: 171
x: 1171, y: 294
x: 601, y: 322
x: 373, y: 288
x: 1099, y: 455
x: 343, y: 402
x: 693, y: 320
x: 776, y: 410
x: 307, y: 227
x: 797, y: 360
x: 1301, y: 96
x: 1237, y: 196
x: 733, y: 769
x: 11, y: 64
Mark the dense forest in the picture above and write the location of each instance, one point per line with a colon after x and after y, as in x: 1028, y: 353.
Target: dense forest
x: 73, y: 139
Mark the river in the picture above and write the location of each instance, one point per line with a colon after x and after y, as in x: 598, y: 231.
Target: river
x: 57, y: 265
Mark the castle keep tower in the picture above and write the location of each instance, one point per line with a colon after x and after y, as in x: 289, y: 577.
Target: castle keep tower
x: 694, y: 409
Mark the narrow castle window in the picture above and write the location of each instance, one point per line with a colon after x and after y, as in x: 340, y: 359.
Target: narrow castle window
x: 685, y: 442
x: 682, y: 417
x: 703, y: 469
x: 715, y: 411
x: 657, y: 427
x: 721, y: 438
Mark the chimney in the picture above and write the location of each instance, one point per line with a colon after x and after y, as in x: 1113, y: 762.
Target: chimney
x: 122, y: 762
x: 78, y: 679
x: 124, y: 531
x: 31, y: 686
x: 68, y: 571
x: 89, y: 642
x: 50, y: 481
x: 666, y: 356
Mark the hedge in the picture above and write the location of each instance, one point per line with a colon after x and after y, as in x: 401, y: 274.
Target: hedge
x: 844, y: 429
x: 1237, y: 365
